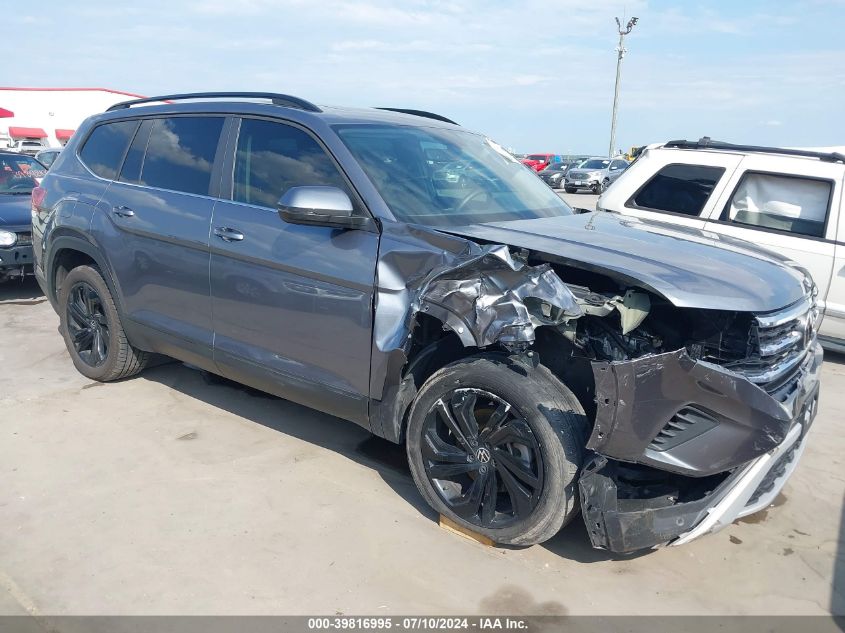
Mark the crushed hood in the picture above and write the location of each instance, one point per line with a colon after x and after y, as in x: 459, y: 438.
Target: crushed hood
x: 689, y: 267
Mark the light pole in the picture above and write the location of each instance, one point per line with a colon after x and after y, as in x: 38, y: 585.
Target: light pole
x: 620, y: 50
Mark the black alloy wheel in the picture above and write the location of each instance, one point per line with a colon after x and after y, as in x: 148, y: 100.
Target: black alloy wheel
x: 88, y: 324
x: 482, y: 458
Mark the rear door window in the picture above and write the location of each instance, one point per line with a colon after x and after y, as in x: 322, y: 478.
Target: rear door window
x: 678, y: 188
x: 180, y: 153
x: 784, y: 203
x: 105, y: 147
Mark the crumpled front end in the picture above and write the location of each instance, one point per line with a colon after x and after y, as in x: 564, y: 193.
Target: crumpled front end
x: 684, y: 446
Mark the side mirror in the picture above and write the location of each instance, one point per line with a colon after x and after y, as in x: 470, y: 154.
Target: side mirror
x: 320, y: 206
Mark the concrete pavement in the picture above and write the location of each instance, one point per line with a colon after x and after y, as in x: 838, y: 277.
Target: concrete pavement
x: 163, y: 494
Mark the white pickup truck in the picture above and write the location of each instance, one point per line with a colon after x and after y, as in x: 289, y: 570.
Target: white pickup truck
x: 786, y: 200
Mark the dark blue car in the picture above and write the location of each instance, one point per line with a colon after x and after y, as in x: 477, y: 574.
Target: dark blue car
x: 19, y: 175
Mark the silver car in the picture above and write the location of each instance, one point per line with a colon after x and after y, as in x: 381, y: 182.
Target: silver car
x: 594, y: 174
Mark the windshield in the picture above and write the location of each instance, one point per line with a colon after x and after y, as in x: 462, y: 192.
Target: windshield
x: 540, y: 157
x: 490, y: 186
x: 19, y: 174
x: 594, y: 164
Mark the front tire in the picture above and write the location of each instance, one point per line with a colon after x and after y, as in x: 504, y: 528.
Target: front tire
x: 92, y: 330
x: 496, y: 446
x: 569, y: 189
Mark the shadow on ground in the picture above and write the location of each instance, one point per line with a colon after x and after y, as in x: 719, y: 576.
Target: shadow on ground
x: 17, y: 292
x: 340, y: 436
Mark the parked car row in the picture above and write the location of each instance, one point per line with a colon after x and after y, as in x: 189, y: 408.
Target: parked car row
x: 398, y: 271
x: 593, y: 174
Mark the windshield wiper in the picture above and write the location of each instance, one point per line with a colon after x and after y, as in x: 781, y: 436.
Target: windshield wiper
x: 15, y: 193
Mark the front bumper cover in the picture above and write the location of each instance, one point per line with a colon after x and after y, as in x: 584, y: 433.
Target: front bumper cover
x: 734, y: 468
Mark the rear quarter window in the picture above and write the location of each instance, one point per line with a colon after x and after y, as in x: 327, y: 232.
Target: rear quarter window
x: 678, y: 188
x: 105, y: 147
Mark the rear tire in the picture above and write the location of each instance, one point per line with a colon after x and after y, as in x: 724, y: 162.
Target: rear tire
x: 496, y: 446
x: 569, y: 190
x: 91, y: 327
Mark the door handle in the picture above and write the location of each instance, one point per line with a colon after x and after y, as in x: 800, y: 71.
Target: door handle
x: 123, y: 212
x: 228, y: 234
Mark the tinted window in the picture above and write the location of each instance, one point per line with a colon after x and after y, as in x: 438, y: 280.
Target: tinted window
x: 619, y: 164
x: 131, y: 171
x: 679, y: 189
x: 105, y: 147
x: 273, y: 157
x: 786, y: 203
x: 180, y: 153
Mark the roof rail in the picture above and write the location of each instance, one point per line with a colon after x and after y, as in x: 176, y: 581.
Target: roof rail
x: 706, y: 143
x: 286, y: 101
x: 422, y: 113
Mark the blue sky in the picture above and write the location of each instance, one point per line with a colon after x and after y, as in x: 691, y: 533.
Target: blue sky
x: 534, y: 75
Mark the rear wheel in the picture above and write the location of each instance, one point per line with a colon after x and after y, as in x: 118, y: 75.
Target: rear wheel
x: 496, y: 446
x: 92, y: 330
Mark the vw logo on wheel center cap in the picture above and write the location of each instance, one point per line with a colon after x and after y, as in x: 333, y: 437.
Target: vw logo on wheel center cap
x: 483, y: 455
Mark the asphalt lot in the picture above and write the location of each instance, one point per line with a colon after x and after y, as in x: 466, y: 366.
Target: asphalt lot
x: 581, y: 200
x: 163, y: 494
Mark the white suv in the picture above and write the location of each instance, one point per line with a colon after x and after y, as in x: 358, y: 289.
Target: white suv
x: 786, y: 200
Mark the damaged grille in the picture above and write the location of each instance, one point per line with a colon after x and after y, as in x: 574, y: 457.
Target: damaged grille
x: 777, y: 349
x: 683, y: 426
x: 781, y: 341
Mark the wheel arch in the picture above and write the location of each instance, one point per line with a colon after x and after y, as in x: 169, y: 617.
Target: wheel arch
x: 434, y: 345
x: 71, y: 251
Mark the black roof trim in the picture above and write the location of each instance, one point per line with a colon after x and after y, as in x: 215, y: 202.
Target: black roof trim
x: 422, y: 113
x: 705, y: 142
x: 286, y: 101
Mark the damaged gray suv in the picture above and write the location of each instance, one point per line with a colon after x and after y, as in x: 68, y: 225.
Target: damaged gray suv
x: 535, y: 363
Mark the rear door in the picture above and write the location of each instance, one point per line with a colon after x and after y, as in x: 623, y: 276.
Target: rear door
x: 292, y: 304
x: 833, y: 326
x: 156, y: 229
x: 785, y: 205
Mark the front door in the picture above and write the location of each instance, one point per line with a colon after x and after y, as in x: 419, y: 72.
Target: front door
x: 292, y: 304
